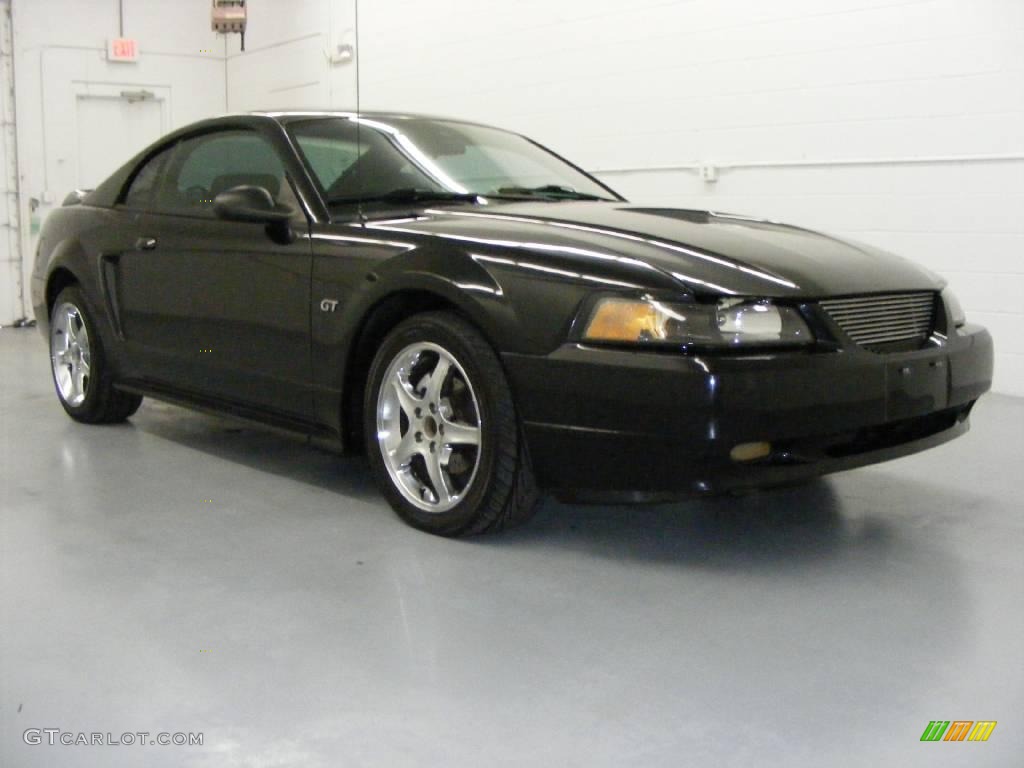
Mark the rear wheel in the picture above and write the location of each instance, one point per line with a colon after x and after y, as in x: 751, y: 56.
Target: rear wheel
x: 81, y: 374
x: 441, y: 430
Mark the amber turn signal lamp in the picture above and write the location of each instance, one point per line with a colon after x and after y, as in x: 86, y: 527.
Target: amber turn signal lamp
x: 750, y: 451
x: 622, y: 320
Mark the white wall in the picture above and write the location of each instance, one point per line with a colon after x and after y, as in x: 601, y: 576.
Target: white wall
x: 60, y: 51
x: 286, y: 60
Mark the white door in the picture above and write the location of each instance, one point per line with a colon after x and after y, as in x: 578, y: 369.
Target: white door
x: 111, y: 129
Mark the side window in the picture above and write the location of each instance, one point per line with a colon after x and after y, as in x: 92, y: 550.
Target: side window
x: 140, y: 193
x: 203, y: 167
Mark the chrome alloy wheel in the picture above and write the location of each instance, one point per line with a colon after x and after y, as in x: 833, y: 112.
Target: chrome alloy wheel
x: 69, y: 353
x: 429, y: 427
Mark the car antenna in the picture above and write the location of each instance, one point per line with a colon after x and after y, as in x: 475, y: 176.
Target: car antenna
x: 359, y: 124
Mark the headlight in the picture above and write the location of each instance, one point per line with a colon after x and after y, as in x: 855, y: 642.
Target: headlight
x: 955, y: 310
x: 727, y: 323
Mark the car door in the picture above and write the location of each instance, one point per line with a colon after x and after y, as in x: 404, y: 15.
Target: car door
x: 244, y: 290
x: 150, y: 305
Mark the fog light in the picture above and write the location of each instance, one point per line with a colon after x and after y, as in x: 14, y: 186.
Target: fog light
x: 750, y: 451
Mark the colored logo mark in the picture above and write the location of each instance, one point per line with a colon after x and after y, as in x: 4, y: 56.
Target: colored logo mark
x: 958, y: 730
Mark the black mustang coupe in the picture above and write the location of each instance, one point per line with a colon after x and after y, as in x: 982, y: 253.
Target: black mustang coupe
x: 486, y: 319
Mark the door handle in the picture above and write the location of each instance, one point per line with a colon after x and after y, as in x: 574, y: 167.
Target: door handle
x: 145, y: 244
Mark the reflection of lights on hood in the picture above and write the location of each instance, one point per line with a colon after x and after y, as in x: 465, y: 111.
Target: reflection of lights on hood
x: 766, y: 276
x: 546, y: 223
x: 725, y: 263
x: 551, y: 270
x: 713, y: 286
x: 635, y: 238
x: 418, y: 155
x: 532, y: 247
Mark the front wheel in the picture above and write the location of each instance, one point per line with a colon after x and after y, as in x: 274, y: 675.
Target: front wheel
x: 441, y: 430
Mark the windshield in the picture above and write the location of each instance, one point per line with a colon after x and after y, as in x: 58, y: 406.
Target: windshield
x: 422, y: 159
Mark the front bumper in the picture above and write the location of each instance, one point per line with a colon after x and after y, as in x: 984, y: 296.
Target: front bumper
x: 642, y: 425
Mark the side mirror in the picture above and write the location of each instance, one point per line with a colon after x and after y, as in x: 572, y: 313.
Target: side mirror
x: 253, y: 204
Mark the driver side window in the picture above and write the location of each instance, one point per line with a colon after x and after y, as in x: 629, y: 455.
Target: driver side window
x: 203, y: 167
x: 140, y: 192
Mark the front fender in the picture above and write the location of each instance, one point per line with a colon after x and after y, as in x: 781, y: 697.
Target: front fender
x: 456, y: 279
x: 61, y: 257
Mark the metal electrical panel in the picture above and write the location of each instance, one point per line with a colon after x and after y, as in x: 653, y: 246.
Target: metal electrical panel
x: 229, y: 16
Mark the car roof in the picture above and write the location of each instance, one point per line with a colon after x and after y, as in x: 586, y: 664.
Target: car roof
x: 291, y: 115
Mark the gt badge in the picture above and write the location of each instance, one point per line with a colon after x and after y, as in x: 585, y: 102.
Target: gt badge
x: 328, y: 305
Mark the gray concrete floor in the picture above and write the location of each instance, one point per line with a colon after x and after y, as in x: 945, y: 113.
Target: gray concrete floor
x: 182, y: 573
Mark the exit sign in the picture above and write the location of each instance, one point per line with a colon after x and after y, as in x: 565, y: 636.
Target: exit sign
x: 123, y: 49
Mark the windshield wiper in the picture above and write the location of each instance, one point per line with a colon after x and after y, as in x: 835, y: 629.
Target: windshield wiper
x: 408, y: 195
x: 551, y: 192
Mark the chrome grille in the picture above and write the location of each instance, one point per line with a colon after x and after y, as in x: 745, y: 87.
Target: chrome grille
x: 875, y: 322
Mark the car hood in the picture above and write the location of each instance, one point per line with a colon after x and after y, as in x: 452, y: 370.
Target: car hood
x: 710, y: 253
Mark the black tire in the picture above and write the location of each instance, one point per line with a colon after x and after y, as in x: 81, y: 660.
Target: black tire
x: 102, y: 404
x: 502, y: 493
